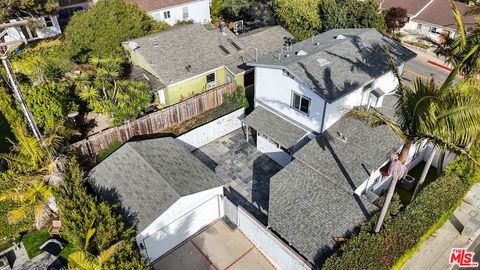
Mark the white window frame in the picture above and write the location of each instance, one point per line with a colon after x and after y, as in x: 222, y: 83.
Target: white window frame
x: 300, y: 102
x: 185, y: 12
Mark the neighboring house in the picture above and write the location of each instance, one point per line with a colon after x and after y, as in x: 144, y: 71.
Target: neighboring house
x: 172, y: 11
x: 30, y: 29
x: 68, y: 7
x: 169, y: 191
x: 432, y: 18
x: 305, y: 88
x: 192, y: 59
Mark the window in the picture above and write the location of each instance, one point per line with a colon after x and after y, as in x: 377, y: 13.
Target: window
x: 185, y: 13
x: 407, y: 19
x: 419, y: 26
x: 211, y: 77
x: 48, y: 21
x: 166, y: 14
x: 433, y: 29
x: 300, y: 103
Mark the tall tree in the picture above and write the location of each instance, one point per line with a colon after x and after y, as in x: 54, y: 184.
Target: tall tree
x: 333, y: 15
x: 417, y: 112
x: 454, y: 49
x: 99, y: 31
x: 299, y: 17
x: 395, y: 19
x: 234, y: 9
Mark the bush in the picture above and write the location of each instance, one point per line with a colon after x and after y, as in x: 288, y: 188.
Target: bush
x: 100, y: 30
x: 104, y: 153
x: 80, y: 211
x: 417, y: 44
x: 408, y: 229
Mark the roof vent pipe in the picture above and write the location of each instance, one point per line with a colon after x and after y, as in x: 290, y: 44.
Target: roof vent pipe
x: 256, y: 55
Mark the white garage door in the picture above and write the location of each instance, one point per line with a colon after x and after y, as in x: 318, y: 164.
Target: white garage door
x: 271, y: 150
x: 182, y: 228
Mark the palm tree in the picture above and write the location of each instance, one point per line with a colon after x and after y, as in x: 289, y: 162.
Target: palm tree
x: 474, y: 10
x: 83, y: 260
x: 454, y: 50
x: 33, y: 196
x: 417, y: 112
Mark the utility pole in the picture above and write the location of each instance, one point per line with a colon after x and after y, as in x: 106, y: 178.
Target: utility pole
x: 17, y: 93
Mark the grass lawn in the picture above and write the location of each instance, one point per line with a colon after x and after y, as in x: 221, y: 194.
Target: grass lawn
x: 406, y: 195
x: 5, y: 132
x: 33, y: 240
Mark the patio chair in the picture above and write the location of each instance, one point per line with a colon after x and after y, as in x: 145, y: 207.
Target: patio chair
x: 55, y: 228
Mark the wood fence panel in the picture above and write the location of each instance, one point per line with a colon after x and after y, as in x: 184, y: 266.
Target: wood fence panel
x: 153, y: 123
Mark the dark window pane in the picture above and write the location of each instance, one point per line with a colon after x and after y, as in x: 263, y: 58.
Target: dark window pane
x: 210, y: 77
x: 304, y: 105
x: 296, y: 101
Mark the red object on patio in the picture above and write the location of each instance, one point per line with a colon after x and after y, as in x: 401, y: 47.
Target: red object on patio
x: 384, y: 169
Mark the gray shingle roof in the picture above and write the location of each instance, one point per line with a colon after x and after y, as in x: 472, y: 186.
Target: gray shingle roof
x: 353, y: 61
x: 312, y: 199
x: 275, y: 127
x: 349, y: 163
x: 169, y: 52
x: 147, y: 177
x: 308, y: 210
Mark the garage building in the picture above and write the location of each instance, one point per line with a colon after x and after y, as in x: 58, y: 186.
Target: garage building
x: 168, y: 192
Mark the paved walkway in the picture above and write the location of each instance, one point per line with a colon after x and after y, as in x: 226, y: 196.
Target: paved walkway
x: 458, y: 232
x: 240, y: 165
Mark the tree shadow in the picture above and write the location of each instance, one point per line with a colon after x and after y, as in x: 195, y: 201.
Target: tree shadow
x: 324, y: 142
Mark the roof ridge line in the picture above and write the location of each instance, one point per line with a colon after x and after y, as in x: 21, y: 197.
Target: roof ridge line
x: 154, y: 169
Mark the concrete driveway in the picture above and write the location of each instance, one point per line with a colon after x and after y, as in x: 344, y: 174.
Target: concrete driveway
x: 216, y: 247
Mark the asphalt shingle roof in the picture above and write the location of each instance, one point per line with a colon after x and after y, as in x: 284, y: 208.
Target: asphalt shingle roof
x: 308, y: 210
x: 353, y: 56
x: 312, y: 199
x: 152, y: 5
x: 275, y: 127
x: 440, y: 13
x: 147, y: 177
x: 170, y: 52
x: 412, y: 6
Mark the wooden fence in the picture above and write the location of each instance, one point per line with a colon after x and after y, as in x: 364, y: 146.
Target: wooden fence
x: 156, y: 122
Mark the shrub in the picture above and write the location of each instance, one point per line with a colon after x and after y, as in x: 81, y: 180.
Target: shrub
x: 104, y: 153
x: 100, y: 30
x: 417, y: 44
x: 368, y: 250
x: 80, y: 211
x: 235, y: 101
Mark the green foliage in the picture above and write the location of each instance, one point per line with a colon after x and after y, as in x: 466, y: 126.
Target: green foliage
x: 9, y: 108
x: 216, y: 8
x: 100, y: 86
x: 422, y: 45
x: 80, y: 211
x: 33, y: 240
x: 112, y: 147
x: 50, y: 104
x: 10, y: 9
x: 299, y: 17
x: 407, y: 229
x: 395, y: 18
x: 463, y: 167
x: 234, y: 9
x: 45, y: 62
x: 183, y: 22
x: 235, y: 100
x: 100, y: 30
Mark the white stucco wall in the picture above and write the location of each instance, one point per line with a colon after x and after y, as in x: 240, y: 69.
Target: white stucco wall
x: 271, y: 150
x: 198, y: 11
x: 275, y: 90
x: 183, y: 219
x: 34, y: 33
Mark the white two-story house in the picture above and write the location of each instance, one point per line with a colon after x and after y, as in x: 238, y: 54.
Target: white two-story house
x: 172, y: 11
x: 305, y: 88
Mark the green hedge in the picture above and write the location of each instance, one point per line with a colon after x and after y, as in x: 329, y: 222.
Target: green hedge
x: 404, y: 232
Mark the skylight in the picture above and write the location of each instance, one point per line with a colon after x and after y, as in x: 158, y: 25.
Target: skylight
x: 301, y: 53
x: 227, y: 52
x: 235, y: 45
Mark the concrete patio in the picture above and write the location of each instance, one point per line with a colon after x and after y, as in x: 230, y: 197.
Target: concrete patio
x: 245, y: 169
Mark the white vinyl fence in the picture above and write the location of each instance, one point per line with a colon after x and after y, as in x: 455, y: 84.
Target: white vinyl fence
x: 282, y: 255
x: 207, y: 133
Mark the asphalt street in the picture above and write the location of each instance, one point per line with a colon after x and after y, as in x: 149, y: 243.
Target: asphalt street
x: 419, y: 68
